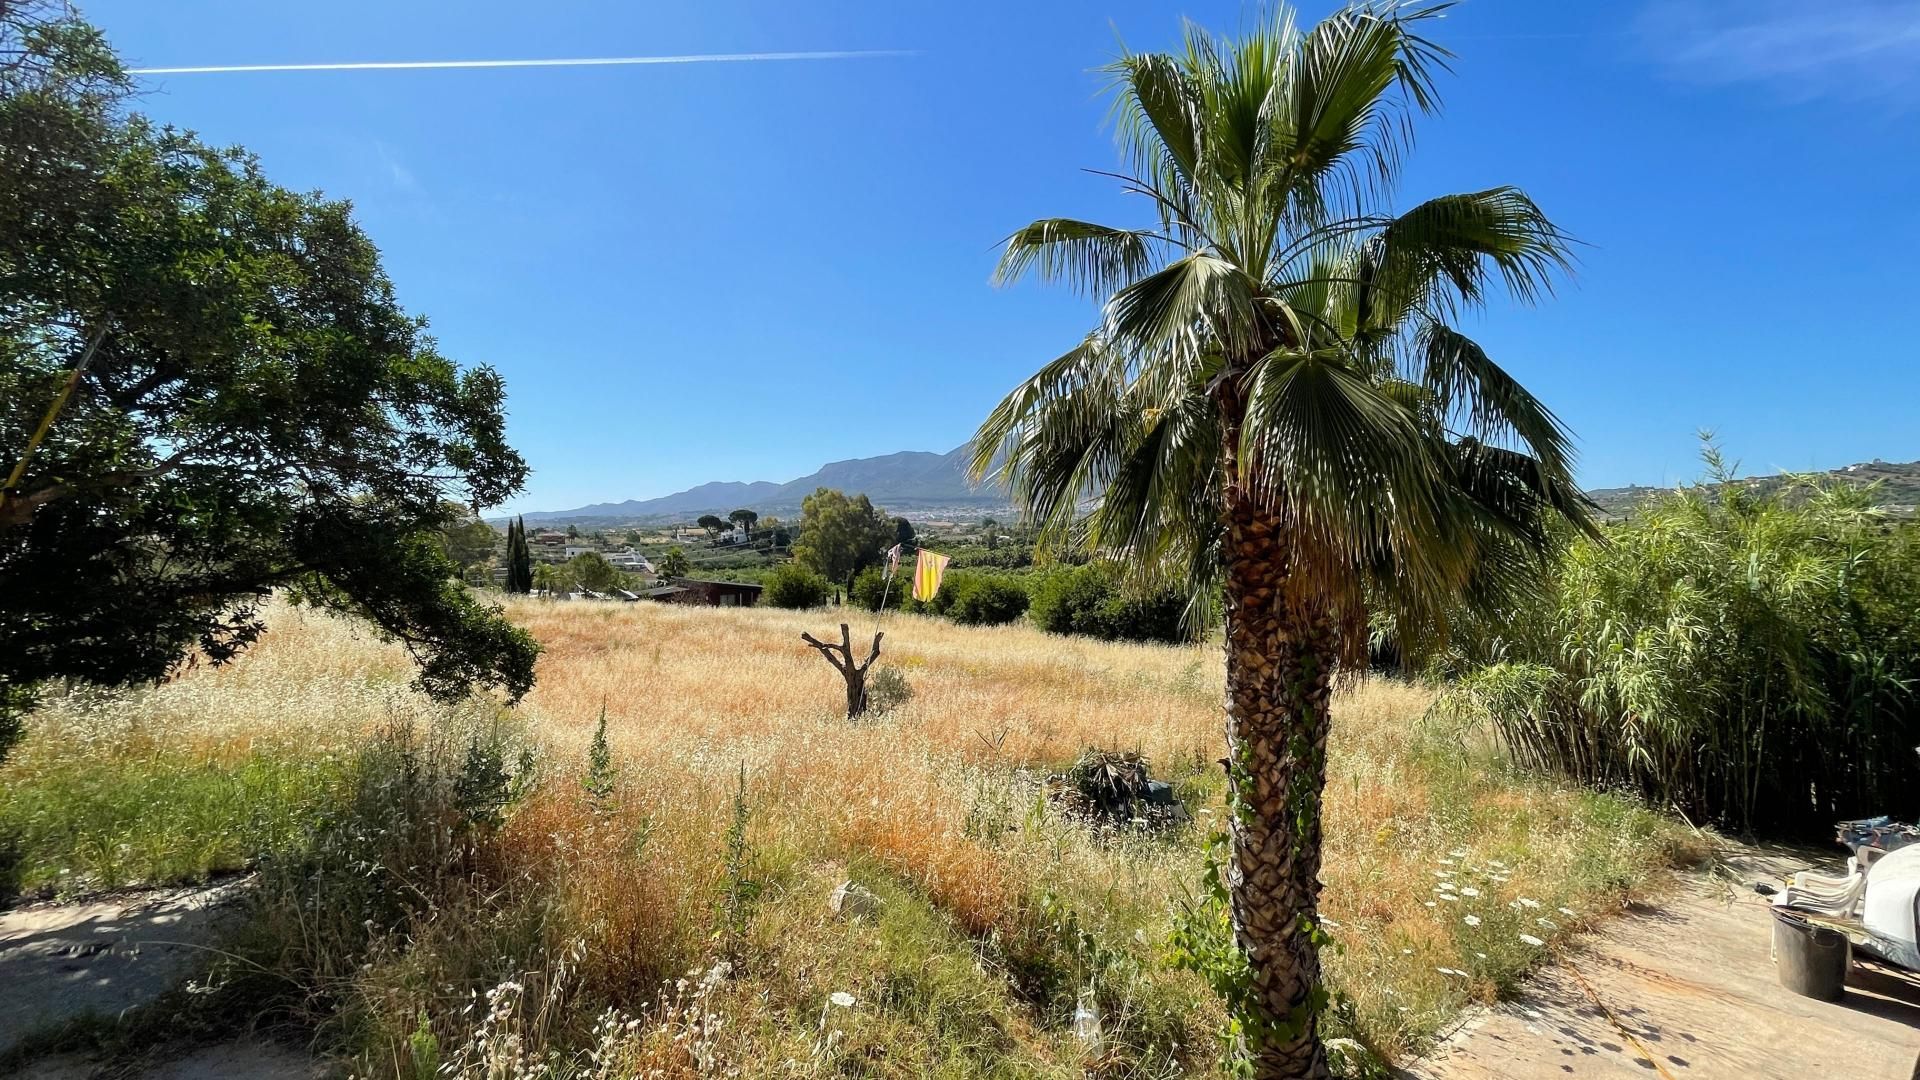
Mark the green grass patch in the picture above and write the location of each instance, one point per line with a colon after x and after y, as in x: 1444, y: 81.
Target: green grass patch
x: 85, y: 825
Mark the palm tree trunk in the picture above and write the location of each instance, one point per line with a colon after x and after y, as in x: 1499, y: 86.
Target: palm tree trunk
x: 1279, y: 674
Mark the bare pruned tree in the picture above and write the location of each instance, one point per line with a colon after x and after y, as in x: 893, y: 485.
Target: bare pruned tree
x: 841, y: 657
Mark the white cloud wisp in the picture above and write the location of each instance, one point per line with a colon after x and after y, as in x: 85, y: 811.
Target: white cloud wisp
x: 601, y: 61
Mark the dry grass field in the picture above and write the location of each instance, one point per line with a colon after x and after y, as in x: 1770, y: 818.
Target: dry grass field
x: 679, y: 924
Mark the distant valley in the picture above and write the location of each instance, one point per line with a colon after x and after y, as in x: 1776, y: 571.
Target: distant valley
x: 935, y: 485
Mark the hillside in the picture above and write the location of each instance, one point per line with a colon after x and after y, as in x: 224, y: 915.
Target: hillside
x: 910, y: 479
x: 1899, y: 487
x: 919, y: 480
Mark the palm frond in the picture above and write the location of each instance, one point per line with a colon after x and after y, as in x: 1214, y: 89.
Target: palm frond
x: 1346, y: 464
x: 1196, y: 294
x: 1094, y: 259
x: 1467, y: 383
x: 1157, y: 115
x: 1339, y: 130
x: 1280, y: 345
x: 1443, y: 253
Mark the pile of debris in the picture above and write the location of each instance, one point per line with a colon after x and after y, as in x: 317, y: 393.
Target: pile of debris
x: 1114, y: 789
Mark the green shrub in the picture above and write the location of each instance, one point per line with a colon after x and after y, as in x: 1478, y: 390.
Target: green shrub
x: 871, y: 583
x: 973, y: 599
x: 1747, y: 655
x: 887, y: 690
x: 791, y: 586
x: 1090, y: 600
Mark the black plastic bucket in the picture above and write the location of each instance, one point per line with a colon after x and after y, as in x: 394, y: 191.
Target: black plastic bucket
x: 1811, y: 960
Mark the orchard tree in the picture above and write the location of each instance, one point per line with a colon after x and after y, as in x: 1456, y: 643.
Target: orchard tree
x: 207, y: 393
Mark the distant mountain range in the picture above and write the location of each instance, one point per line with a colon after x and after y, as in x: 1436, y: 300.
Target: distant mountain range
x: 911, y: 479
x: 918, y: 480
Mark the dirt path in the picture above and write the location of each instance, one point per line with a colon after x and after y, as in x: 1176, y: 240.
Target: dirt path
x: 104, y: 956
x: 1686, y: 991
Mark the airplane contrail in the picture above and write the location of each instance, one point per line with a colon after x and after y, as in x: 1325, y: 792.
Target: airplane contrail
x: 599, y: 61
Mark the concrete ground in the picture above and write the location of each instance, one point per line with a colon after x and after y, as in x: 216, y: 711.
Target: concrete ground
x: 100, y: 957
x: 104, y: 956
x: 227, y: 1061
x: 1686, y: 990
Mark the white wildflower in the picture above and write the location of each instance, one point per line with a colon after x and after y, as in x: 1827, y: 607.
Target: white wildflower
x: 1531, y: 940
x: 842, y: 999
x: 1472, y: 920
x: 1469, y: 892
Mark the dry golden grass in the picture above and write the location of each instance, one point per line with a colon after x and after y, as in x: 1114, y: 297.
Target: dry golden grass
x: 936, y: 805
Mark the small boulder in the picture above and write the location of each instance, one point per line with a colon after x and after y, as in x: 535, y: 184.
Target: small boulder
x: 851, y: 901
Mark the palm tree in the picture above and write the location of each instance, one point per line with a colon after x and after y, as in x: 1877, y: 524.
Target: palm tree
x: 1275, y: 408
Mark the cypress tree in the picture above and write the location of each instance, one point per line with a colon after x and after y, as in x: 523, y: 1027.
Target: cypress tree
x: 519, y: 558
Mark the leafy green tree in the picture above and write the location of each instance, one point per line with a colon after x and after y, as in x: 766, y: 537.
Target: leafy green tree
x: 208, y: 392
x: 592, y: 570
x: 674, y: 563
x: 840, y: 536
x: 554, y: 578
x: 745, y: 520
x: 903, y: 534
x: 713, y: 523
x: 573, y: 532
x: 1276, y: 408
x: 792, y: 586
x: 469, y: 542
x: 991, y: 530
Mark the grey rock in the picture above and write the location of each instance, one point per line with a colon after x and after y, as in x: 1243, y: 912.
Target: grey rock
x: 851, y: 901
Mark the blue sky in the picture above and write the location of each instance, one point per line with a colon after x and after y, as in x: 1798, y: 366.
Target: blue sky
x: 742, y: 271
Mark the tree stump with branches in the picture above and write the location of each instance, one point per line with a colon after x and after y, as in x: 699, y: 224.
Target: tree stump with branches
x: 841, y: 657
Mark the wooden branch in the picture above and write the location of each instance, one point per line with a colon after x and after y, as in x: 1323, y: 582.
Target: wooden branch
x: 875, y: 655
x: 827, y: 651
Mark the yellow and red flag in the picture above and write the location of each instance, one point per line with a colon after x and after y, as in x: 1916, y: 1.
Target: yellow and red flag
x: 927, y: 571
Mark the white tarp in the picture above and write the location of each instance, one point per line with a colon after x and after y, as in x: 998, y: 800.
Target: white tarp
x: 1892, y: 908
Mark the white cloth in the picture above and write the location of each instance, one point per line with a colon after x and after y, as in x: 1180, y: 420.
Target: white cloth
x: 1892, y: 910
